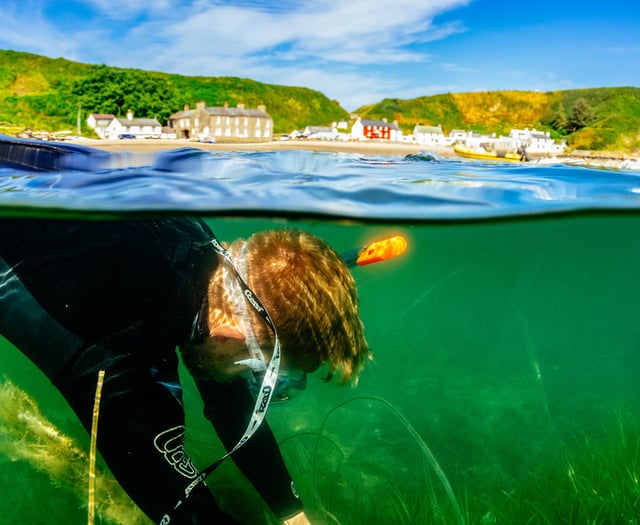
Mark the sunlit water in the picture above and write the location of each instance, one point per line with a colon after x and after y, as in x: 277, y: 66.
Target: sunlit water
x: 504, y: 387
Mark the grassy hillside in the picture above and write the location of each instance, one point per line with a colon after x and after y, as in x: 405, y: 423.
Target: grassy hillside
x: 33, y: 91
x: 614, y: 122
x: 46, y: 93
x: 41, y: 93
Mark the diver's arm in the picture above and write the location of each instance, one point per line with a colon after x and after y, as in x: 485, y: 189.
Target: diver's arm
x: 228, y: 406
x: 141, y: 434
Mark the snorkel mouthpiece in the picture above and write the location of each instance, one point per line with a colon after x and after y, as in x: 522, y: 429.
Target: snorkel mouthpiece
x: 376, y: 251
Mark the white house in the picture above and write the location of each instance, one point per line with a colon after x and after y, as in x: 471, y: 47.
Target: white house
x: 536, y: 141
x: 99, y: 122
x: 431, y: 136
x: 458, y: 135
x: 321, y: 132
x: 376, y: 129
x: 473, y: 139
x: 141, y: 128
x: 533, y: 141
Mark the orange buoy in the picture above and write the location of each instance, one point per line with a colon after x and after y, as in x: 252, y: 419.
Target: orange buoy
x: 376, y: 251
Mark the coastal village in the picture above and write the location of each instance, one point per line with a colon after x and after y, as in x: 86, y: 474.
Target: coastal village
x: 211, y: 124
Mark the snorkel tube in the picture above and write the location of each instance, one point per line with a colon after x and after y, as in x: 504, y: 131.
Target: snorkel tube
x: 376, y: 251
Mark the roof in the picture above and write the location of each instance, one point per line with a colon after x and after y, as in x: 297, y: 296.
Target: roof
x: 223, y: 112
x: 379, y: 123
x: 102, y: 116
x: 181, y: 114
x: 138, y: 122
x: 432, y: 130
x: 236, y: 112
x: 318, y: 129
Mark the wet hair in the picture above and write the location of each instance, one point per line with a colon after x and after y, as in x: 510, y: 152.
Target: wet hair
x: 311, y: 297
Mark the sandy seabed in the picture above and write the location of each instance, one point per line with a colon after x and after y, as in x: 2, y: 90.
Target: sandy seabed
x: 144, y: 148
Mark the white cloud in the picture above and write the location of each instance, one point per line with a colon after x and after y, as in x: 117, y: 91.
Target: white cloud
x: 457, y: 68
x: 127, y: 9
x: 626, y: 50
x: 325, y: 45
x: 24, y: 27
x: 357, y: 32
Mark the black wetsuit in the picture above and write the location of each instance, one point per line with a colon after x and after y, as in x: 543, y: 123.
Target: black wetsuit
x: 78, y: 297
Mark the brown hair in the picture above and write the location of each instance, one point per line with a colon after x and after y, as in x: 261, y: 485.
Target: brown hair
x: 311, y: 297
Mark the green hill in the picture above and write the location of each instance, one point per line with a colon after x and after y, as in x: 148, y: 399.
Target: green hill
x: 598, y: 119
x: 45, y: 93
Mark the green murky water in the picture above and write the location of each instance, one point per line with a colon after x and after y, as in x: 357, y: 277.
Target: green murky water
x: 504, y: 390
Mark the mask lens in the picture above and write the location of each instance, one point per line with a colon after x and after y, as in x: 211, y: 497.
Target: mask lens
x: 288, y: 386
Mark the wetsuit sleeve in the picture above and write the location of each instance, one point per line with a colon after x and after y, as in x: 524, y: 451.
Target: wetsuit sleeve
x: 228, y: 406
x: 141, y: 434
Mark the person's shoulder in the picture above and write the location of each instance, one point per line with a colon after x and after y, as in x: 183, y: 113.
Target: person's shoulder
x: 191, y: 228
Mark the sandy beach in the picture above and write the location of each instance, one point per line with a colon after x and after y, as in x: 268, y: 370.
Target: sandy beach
x: 142, y: 149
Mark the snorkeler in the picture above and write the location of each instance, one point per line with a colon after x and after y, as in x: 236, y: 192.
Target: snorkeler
x: 80, y: 297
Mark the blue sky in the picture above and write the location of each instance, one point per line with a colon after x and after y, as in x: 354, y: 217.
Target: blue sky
x: 355, y: 51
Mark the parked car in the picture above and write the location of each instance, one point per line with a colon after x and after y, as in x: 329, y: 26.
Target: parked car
x: 126, y: 136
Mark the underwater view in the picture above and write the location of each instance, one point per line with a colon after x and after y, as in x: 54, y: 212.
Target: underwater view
x: 504, y: 385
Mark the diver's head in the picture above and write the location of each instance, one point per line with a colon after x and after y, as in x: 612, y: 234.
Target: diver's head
x: 310, y: 295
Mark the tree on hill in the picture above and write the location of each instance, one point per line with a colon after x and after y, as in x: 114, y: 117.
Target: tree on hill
x: 581, y: 115
x: 108, y: 90
x: 557, y: 120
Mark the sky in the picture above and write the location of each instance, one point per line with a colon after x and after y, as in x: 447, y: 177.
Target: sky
x: 354, y: 51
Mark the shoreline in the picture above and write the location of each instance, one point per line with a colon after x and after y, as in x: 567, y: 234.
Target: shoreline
x: 143, y: 148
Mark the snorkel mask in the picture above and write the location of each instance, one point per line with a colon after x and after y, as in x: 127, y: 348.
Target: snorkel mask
x: 288, y: 382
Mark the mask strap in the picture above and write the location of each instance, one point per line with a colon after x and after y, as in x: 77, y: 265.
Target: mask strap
x: 256, y: 360
x: 266, y: 388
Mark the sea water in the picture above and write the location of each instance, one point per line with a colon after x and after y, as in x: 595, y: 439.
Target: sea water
x: 504, y: 387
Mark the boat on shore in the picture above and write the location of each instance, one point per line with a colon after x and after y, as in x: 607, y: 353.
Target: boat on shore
x: 487, y: 151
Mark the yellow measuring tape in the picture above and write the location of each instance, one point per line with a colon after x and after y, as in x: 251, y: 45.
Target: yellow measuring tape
x: 92, y: 450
